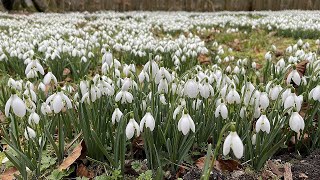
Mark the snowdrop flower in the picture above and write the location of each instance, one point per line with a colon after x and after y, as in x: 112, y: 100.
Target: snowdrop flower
x: 148, y: 120
x: 178, y: 110
x: 163, y: 86
x: 163, y: 74
x: 296, y: 122
x: 274, y: 92
x: 289, y: 49
x: 45, y: 109
x: 116, y: 115
x: 263, y: 124
x: 127, y: 69
x: 294, y: 76
x: 107, y: 58
x: 268, y: 56
x: 84, y: 87
x: 42, y: 87
x: 58, y: 101
x: 315, y: 93
x: 163, y: 99
x: 185, y: 124
x: 191, y: 88
x: 233, y: 96
x: 83, y: 59
x: 68, y: 88
x: 222, y: 111
x: 124, y: 96
x: 206, y: 90
x: 300, y: 42
x: 243, y: 112
x: 143, y: 76
x: 196, y: 104
x: 253, y: 139
x: 254, y: 65
x: 48, y: 78
x: 131, y: 127
x: 32, y: 68
x: 293, y: 101
x: 30, y: 93
x: 151, y: 67
x: 34, y: 117
x: 17, y: 105
x: 233, y: 142
x: 29, y: 133
x: 257, y: 112
x: 264, y: 100
x: 14, y: 84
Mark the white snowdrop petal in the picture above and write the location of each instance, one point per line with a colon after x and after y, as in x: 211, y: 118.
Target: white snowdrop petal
x: 227, y: 145
x: 7, y: 106
x: 18, y: 106
x: 237, y: 146
x: 57, y: 104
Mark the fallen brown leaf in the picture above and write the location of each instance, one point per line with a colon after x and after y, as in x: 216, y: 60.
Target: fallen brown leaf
x: 287, y: 172
x: 76, y: 153
x: 203, y: 59
x: 9, y: 173
x: 82, y: 171
x: 220, y: 164
x: 279, y: 53
x: 66, y: 71
x: 227, y: 165
x: 266, y: 174
x: 274, y: 168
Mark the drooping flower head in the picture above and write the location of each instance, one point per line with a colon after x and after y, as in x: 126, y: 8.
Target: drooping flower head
x: 17, y: 105
x: 233, y: 142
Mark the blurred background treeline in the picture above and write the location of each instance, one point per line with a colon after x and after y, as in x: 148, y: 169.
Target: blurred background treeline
x: 156, y: 5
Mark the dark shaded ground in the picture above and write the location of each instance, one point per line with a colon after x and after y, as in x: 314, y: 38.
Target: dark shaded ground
x: 304, y: 167
x: 307, y: 167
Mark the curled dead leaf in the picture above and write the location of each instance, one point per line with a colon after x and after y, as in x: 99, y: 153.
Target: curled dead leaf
x: 82, y: 171
x: 75, y: 155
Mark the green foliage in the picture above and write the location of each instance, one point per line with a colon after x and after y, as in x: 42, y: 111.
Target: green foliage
x: 58, y: 175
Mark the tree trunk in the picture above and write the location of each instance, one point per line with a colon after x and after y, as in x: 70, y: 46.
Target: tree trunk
x: 41, y: 5
x: 2, y: 8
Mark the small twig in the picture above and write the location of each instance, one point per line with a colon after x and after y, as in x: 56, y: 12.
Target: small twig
x: 72, y: 142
